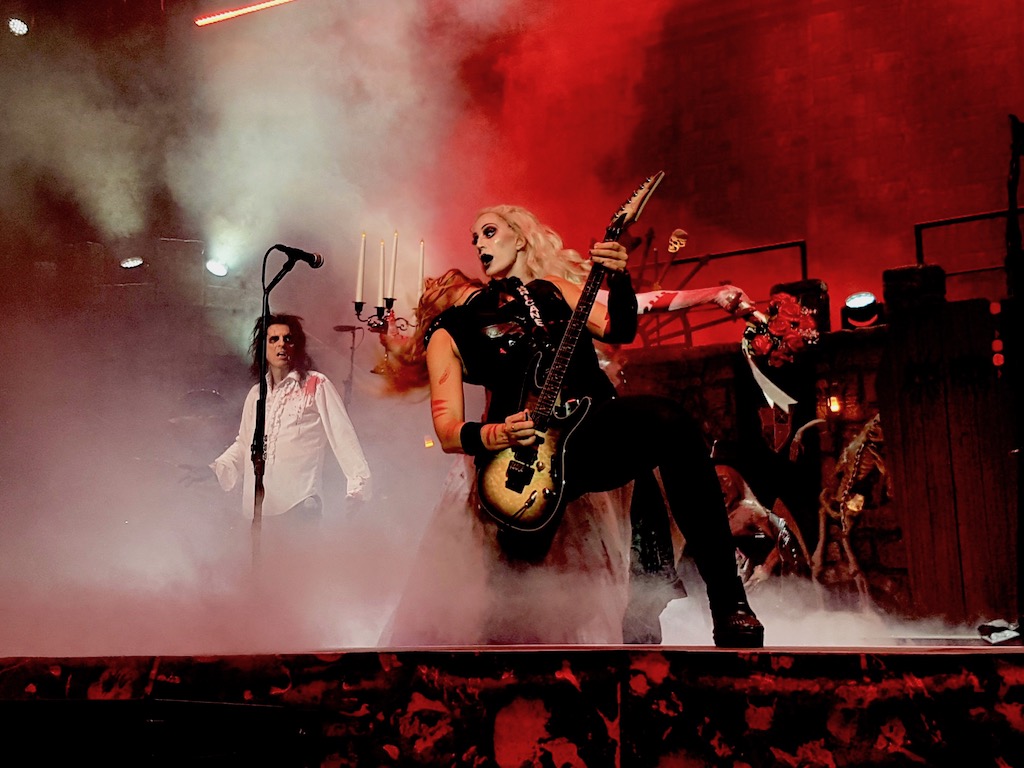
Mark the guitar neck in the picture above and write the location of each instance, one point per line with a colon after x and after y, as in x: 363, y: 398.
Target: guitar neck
x: 556, y: 373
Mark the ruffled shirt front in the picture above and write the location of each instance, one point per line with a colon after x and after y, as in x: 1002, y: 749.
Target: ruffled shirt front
x: 303, y: 417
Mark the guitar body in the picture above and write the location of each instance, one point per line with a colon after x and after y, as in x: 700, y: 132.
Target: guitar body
x: 523, y: 487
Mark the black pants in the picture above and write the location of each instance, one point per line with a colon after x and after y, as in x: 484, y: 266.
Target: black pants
x: 625, y: 439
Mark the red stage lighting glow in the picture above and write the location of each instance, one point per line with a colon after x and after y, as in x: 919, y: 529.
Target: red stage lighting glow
x: 202, y: 21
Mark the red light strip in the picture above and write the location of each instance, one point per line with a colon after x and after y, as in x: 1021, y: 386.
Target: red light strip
x: 202, y: 21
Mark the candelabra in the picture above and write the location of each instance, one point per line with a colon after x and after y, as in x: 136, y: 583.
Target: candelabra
x: 383, y: 319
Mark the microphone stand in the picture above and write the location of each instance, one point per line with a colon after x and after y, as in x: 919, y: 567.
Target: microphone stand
x: 259, y: 437
x: 346, y: 395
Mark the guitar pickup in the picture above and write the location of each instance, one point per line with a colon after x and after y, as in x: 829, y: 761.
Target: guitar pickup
x: 518, y: 475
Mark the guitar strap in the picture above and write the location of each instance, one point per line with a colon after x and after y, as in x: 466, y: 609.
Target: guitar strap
x: 531, y: 306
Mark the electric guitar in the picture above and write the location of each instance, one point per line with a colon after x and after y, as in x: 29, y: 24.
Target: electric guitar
x: 523, y: 487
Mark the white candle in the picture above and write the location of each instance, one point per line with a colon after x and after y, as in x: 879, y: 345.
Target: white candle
x: 380, y: 278
x: 361, y: 270
x: 394, y: 267
x: 419, y: 289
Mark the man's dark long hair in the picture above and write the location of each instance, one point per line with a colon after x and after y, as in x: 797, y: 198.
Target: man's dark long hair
x: 301, y: 360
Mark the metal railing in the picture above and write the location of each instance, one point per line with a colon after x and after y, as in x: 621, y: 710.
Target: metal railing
x: 919, y: 230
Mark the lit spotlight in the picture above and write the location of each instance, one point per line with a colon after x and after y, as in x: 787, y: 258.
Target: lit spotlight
x: 131, y: 262
x: 17, y: 26
x: 861, y: 310
x: 218, y: 268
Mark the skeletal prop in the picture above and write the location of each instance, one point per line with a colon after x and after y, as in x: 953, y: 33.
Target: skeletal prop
x: 677, y: 240
x: 843, y: 499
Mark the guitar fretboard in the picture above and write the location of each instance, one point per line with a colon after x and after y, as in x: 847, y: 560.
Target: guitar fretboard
x: 556, y: 373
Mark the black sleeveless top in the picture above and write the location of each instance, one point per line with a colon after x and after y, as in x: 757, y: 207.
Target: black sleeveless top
x: 500, y: 340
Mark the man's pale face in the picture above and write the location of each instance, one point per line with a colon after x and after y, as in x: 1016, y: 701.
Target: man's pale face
x: 280, y: 348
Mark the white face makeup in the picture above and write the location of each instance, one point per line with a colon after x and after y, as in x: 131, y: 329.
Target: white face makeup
x: 497, y: 244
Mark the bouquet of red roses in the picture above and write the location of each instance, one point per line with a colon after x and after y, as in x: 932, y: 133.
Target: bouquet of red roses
x: 787, y: 328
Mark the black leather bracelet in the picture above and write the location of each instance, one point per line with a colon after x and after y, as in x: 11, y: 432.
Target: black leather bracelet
x: 622, y: 308
x: 618, y: 278
x: 472, y: 442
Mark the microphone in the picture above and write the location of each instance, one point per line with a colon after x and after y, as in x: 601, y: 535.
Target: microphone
x: 315, y: 260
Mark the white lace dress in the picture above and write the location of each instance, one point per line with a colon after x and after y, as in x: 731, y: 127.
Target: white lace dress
x: 463, y: 590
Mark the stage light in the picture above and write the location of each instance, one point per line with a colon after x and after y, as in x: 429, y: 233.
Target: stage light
x: 861, y: 310
x: 218, y: 268
x: 17, y: 26
x: 131, y: 262
x: 860, y: 300
x: 213, y: 18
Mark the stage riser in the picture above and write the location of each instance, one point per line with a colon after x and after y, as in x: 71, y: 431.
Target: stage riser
x: 600, y: 707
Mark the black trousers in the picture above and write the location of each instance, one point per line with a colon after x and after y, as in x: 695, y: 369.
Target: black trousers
x: 627, y: 438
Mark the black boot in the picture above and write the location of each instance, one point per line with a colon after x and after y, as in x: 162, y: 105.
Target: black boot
x: 737, y: 627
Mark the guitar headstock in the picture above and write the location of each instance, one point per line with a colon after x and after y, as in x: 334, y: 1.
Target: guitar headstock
x: 633, y: 207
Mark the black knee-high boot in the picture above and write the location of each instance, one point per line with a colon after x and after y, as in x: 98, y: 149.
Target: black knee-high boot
x: 653, y: 580
x: 695, y: 498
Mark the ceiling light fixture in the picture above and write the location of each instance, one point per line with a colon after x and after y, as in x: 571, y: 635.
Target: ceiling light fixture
x: 17, y: 26
x: 213, y: 18
x: 218, y: 268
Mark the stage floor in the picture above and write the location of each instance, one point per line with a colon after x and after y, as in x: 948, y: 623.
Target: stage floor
x: 925, y: 701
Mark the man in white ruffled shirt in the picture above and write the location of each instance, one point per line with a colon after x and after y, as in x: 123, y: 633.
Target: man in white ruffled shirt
x: 304, y: 415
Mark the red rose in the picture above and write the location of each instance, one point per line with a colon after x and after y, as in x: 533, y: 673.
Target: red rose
x: 791, y: 311
x: 761, y: 345
x: 779, y: 326
x: 778, y: 299
x: 807, y: 323
x: 794, y: 341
